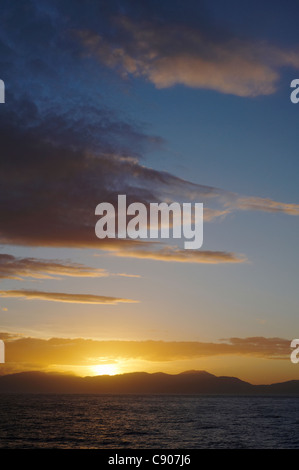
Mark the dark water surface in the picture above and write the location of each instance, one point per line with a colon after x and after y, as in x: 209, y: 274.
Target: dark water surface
x: 148, y: 422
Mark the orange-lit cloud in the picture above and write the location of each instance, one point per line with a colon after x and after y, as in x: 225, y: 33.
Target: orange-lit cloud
x: 81, y: 351
x: 265, y: 205
x: 170, y: 54
x: 213, y: 214
x: 12, y: 267
x: 173, y: 254
x: 63, y: 297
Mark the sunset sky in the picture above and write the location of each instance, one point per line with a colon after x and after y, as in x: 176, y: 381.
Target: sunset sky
x: 184, y: 101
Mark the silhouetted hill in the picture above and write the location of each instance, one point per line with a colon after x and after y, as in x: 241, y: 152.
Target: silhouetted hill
x: 190, y: 382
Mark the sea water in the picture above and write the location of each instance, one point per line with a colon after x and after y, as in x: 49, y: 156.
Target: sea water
x: 148, y: 422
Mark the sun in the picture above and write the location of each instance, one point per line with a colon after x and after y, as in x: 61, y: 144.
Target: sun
x: 104, y: 369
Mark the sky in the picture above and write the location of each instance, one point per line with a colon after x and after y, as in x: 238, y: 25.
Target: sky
x: 168, y: 101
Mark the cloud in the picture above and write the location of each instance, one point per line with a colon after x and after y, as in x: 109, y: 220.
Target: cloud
x: 63, y: 297
x: 168, y: 54
x: 214, y: 214
x: 10, y: 336
x: 258, y: 345
x: 174, y: 254
x: 51, y: 207
x: 12, y: 267
x: 58, y: 181
x: 79, y: 351
x: 265, y: 205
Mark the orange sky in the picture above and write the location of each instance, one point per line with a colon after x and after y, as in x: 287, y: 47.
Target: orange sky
x: 257, y: 360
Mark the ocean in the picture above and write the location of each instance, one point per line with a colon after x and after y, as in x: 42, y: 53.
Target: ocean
x: 148, y: 422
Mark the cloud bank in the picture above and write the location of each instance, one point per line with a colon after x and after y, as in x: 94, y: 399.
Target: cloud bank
x: 81, y: 351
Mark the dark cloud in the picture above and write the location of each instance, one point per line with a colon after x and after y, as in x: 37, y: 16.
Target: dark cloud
x: 53, y: 175
x: 52, y: 179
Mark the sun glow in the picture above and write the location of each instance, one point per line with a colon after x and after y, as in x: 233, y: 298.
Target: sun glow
x: 104, y: 369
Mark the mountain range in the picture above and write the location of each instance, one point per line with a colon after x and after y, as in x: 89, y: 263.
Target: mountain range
x: 189, y: 382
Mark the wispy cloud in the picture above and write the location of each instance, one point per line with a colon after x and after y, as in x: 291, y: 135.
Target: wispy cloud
x: 64, y: 297
x: 264, y: 205
x: 17, y: 268
x: 174, y: 254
